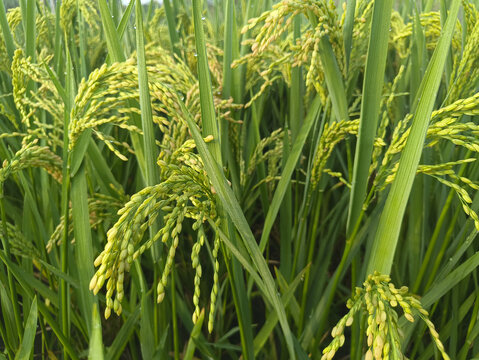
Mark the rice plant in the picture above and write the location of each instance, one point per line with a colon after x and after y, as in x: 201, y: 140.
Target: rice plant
x: 239, y: 179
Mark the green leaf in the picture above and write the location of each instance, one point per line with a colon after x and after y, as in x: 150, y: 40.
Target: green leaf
x: 272, y: 318
x: 170, y: 20
x: 7, y: 34
x: 83, y: 244
x: 150, y: 149
x: 288, y: 171
x: 124, y: 19
x: 122, y: 337
x: 385, y: 241
x: 232, y: 207
x: 210, y: 126
x: 190, y: 348
x: 8, y: 318
x: 240, y: 253
x: 96, y: 343
x: 28, y: 282
x: 440, y: 288
x: 28, y: 18
x: 371, y: 100
x: 334, y: 80
x: 111, y: 35
x: 65, y: 201
x: 332, y: 75
x: 348, y: 29
x: 26, y: 347
x: 147, y: 342
x: 78, y: 152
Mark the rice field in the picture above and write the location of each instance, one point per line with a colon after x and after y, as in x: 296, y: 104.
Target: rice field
x: 249, y: 179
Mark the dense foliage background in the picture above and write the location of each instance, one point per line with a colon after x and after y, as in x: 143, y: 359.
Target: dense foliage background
x: 239, y: 179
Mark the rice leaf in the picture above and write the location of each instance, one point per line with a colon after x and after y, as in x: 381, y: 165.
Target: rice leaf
x: 387, y: 234
x: 233, y: 209
x: 26, y: 346
x: 288, y: 171
x: 190, y: 348
x: 272, y: 319
x: 348, y: 29
x: 83, y: 245
x: 96, y: 343
x: 372, y: 90
x: 170, y: 19
x: 115, y: 350
x: 7, y: 34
